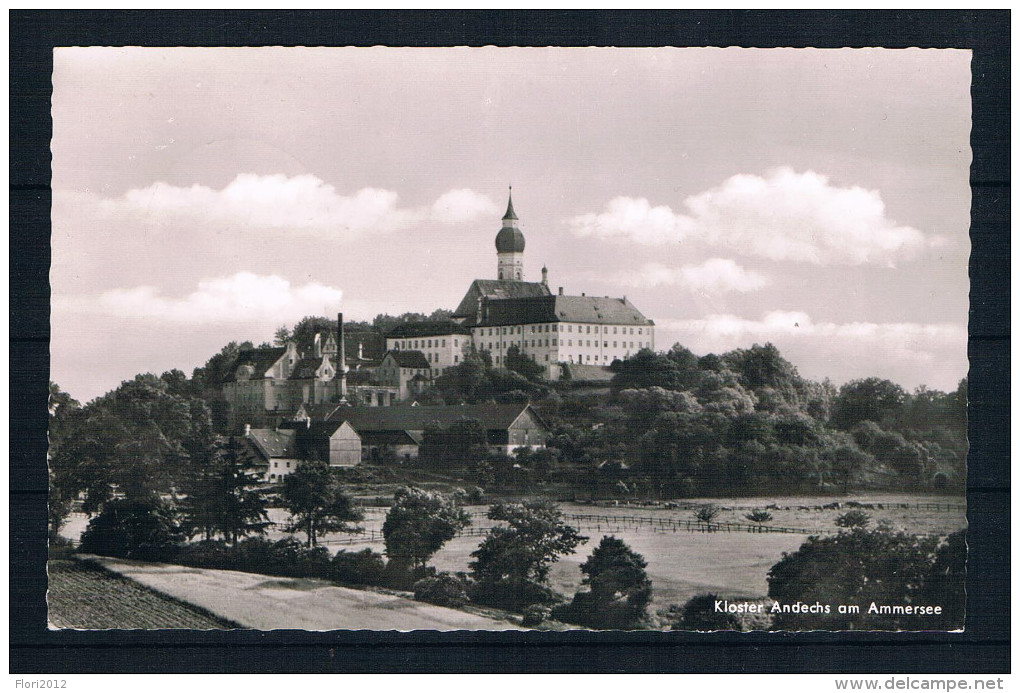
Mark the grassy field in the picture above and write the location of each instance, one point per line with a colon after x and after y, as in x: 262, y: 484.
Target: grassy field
x: 683, y: 564
x: 83, y: 595
x: 267, y: 603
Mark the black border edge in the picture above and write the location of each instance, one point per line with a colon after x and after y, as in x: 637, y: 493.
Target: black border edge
x: 984, y: 647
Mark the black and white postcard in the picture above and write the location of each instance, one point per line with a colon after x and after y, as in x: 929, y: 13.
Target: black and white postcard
x: 396, y: 339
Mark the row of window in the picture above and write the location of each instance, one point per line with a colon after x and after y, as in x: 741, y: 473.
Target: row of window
x: 569, y: 342
x: 423, y: 343
x: 554, y: 327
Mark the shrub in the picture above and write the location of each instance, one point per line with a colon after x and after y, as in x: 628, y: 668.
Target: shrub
x: 365, y: 567
x: 853, y: 518
x: 443, y: 589
x: 706, y: 514
x: 759, y: 516
x: 535, y: 615
x: 699, y: 614
x: 512, y: 593
x: 131, y: 529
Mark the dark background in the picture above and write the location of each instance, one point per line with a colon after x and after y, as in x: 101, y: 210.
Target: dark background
x: 984, y: 647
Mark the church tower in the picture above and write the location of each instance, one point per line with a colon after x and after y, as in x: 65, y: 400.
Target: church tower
x: 510, y: 246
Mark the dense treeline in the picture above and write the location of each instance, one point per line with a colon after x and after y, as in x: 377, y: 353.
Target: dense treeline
x: 746, y: 422
x: 673, y: 424
x: 670, y: 424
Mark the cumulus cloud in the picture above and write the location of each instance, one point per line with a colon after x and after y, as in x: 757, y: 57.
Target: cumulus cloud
x: 462, y: 205
x: 633, y: 219
x: 714, y: 276
x: 242, y: 297
x: 909, y: 353
x: 784, y: 215
x: 297, y: 203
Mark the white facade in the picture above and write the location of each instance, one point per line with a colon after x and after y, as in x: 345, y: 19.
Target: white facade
x: 550, y: 343
x: 442, y: 351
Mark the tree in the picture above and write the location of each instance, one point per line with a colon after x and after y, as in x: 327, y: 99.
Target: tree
x: 759, y: 516
x: 946, y: 583
x: 138, y: 439
x: 317, y: 502
x: 522, y: 363
x: 460, y: 445
x: 512, y: 564
x: 706, y: 514
x: 222, y: 496
x: 132, y: 528
x: 618, y: 588
x: 856, y: 566
x: 763, y: 366
x: 647, y: 368
x: 853, y: 519
x: 281, y: 336
x: 418, y: 524
x: 63, y: 413
x: 870, y: 399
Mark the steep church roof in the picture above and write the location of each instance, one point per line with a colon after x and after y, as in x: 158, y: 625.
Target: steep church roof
x: 584, y: 309
x: 495, y: 289
x: 430, y: 328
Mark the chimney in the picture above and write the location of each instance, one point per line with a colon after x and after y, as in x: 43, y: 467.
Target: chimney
x: 341, y: 356
x: 247, y: 430
x: 582, y: 293
x: 317, y: 346
x: 561, y: 291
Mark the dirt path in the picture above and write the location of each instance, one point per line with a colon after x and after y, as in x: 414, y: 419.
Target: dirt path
x: 266, y: 602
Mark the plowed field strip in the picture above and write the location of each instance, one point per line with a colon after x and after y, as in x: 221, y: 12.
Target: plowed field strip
x: 84, y: 595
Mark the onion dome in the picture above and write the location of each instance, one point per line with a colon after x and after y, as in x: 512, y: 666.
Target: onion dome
x: 510, y: 239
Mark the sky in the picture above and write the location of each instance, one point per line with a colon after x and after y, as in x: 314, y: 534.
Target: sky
x: 815, y: 199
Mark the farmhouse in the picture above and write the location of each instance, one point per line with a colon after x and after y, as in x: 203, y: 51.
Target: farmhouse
x: 271, y: 453
x: 397, y: 432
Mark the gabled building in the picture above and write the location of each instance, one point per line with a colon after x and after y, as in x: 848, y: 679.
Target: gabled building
x: 272, y: 453
x: 443, y: 342
x: 408, y: 371
x: 335, y: 442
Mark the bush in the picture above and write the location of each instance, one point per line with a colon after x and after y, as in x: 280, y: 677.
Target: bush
x: 759, y: 516
x: 131, y: 529
x: 512, y: 593
x: 854, y: 518
x: 699, y: 614
x: 365, y: 567
x: 444, y: 589
x: 535, y: 615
